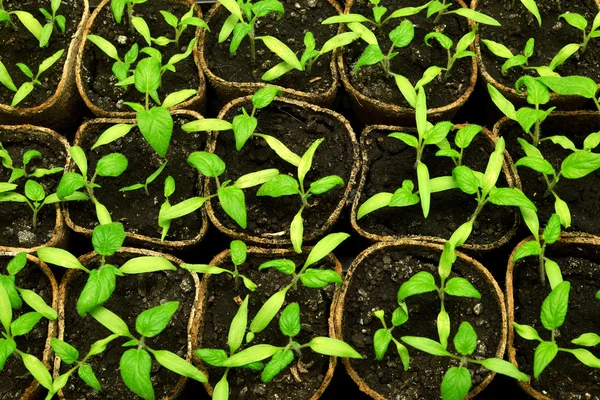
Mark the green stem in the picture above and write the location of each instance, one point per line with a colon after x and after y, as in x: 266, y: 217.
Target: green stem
x: 420, y: 149
x: 147, y: 100
x: 536, y: 137
x: 596, y: 102
x: 553, y: 184
x: 252, y: 44
x: 541, y: 265
x: 35, y: 216
x: 130, y: 16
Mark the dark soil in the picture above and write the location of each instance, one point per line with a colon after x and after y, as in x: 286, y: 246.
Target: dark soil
x: 582, y: 195
x: 16, y: 219
x: 137, y: 211
x: 412, y: 60
x: 519, y: 25
x: 301, y: 16
x: 22, y: 47
x: 133, y: 294
x: 222, y: 295
x: 375, y: 285
x: 98, y: 79
x: 297, y: 128
x: 566, y: 377
x: 391, y: 162
x: 15, y: 378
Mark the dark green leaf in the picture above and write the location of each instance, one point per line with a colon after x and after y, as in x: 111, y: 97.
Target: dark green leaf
x: 544, y: 354
x: 289, y: 322
x: 465, y: 340
x: 278, y: 363
x: 109, y: 238
x: 555, y: 306
x: 456, y: 383
x: 135, y: 371
x: 153, y: 321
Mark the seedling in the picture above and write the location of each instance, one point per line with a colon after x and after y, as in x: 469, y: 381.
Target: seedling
x: 438, y: 9
x: 354, y: 20
x: 149, y: 180
x: 180, y: 25
x: 27, y: 87
x: 241, y: 22
x: 231, y: 195
x: 5, y: 17
x: 309, y: 277
x: 35, y: 197
x: 462, y: 140
x: 169, y: 189
x: 309, y: 56
x: 43, y: 34
x: 461, y: 47
x: 238, y: 253
x: 24, y: 172
x: 70, y: 356
x: 573, y: 85
x: 118, y: 9
x: 532, y: 7
x: 383, y: 336
x: 579, y: 22
x: 285, y: 185
x: 111, y: 165
x: 457, y: 381
x: 578, y: 164
x: 154, y: 123
x: 280, y: 357
x: 107, y: 240
x: 537, y: 247
x: 136, y: 363
x: 12, y: 298
x: 552, y: 316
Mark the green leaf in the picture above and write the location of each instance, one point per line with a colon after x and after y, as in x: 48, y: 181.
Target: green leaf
x: 553, y: 272
x: 587, y: 339
x: 307, y: 160
x: 107, y: 239
x: 591, y: 141
x: 238, y: 327
x: 544, y: 354
x: 527, y: 332
x: 157, y: 127
x: 5, y: 78
x: 456, y: 383
x: 324, y: 247
x: 426, y: 345
x: 580, y: 164
x: 179, y: 97
x: 345, y: 18
x: 135, y: 371
x: 250, y: 355
x: 381, y: 341
x: 552, y: 230
x: 515, y: 61
x: 113, y: 165
x: 282, y: 151
x: 424, y: 188
x: 207, y: 124
x: 179, y: 210
x: 5, y: 309
x: 404, y: 196
x: 466, y: 179
x: 504, y: 368
x: 575, y: 20
x: 586, y: 357
x: 49, y: 62
x: 7, y: 348
x: 372, y: 55
x: 214, y: 357
x: 502, y: 103
x: 443, y: 327
x: 461, y: 287
x: 476, y: 16
x: 69, y: 183
x: 421, y: 282
x: 145, y: 264
x: 438, y: 132
x: 319, y: 278
x: 147, y: 75
x: 221, y: 390
x: 406, y: 11
x: 442, y: 39
x: 281, y: 359
x: 205, y: 269
x: 563, y: 55
x: 533, y: 8
x: 537, y: 92
x: 563, y: 142
x: 465, y: 340
x: 527, y: 117
x: 36, y: 302
x: 265, y: 96
x: 297, y: 232
x: 325, y: 184
x: 25, y: 323
x: 421, y: 113
x: 341, y: 40
x: 208, y: 164
x: 98, y: 289
x: 510, y: 197
x: 100, y: 345
x: 407, y: 89
x: 465, y: 135
x: 403, y: 34
x: 289, y: 322
x: 571, y: 85
x: 67, y: 353
x: 282, y: 51
x: 22, y: 93
x: 59, y: 257
x: 243, y: 128
x: 181, y: 367
x: 409, y: 140
x: 233, y: 201
x: 531, y: 248
x: 374, y: 203
x: 430, y: 74
x: 17, y: 263
x: 142, y: 28
x: 555, y: 306
x: 281, y: 185
x: 285, y: 266
x: 111, y: 134
x: 86, y: 373
x: 332, y: 347
x: 34, y: 191
x: 267, y: 312
x: 37, y: 369
x: 105, y: 46
x: 30, y: 22
x: 152, y: 322
x: 238, y: 252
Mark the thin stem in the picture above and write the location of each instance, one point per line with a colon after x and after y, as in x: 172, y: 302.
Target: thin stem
x: 419, y: 154
x: 130, y: 16
x: 553, y: 184
x: 460, y: 157
x: 541, y: 265
x: 440, y: 13
x: 536, y: 135
x: 252, y: 45
x: 450, y: 64
x: 35, y: 215
x: 147, y: 100
x: 596, y: 102
x: 146, y: 190
x: 586, y: 39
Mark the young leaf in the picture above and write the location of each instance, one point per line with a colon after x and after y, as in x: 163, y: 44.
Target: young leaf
x: 177, y: 98
x: 181, y: 367
x: 238, y: 252
x: 25, y: 323
x: 426, y: 345
x: 233, y: 202
x: 113, y: 164
x: 554, y: 307
x: 281, y: 359
x: 98, y: 288
x: 265, y: 96
x: 135, y: 368
x: 238, y: 328
x: 297, y: 232
x: 214, y: 357
x: 59, y: 257
x: 324, y: 247
x: 221, y: 391
x: 544, y: 354
x: 319, y: 278
x: 510, y: 197
x: 285, y: 266
x: 443, y: 327
x: 107, y: 239
x: 461, y: 287
x: 380, y: 200
x: 424, y: 188
x: 243, y: 128
x: 65, y: 351
x: 289, y: 322
x: 465, y: 340
x: 250, y: 355
x: 587, y: 339
x: 208, y: 164
x: 37, y: 369
x: 107, y: 47
x: 87, y: 375
x: 527, y: 332
x: 371, y: 55
x: 153, y: 321
x: 332, y: 347
x: 531, y: 248
x: 580, y: 164
x: 325, y: 184
x: 381, y: 341
x: 156, y: 125
x: 36, y: 302
x: 456, y: 383
x: 282, y: 50
x: 267, y: 312
x: 17, y: 263
x: 421, y: 282
x: 502, y: 103
x: 403, y: 34
x: 145, y: 264
x: 476, y: 16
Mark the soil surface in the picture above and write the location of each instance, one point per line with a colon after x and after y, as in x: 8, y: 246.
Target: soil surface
x: 391, y: 162
x: 21, y: 46
x: 301, y: 16
x: 16, y: 219
x: 98, y: 80
x: 412, y: 60
x: 519, y: 25
x: 375, y: 285
x: 565, y: 378
x: 136, y: 210
x: 15, y: 378
x: 583, y: 194
x: 221, y: 307
x: 297, y: 128
x: 133, y: 294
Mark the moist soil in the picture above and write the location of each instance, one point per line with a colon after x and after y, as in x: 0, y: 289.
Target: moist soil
x: 302, y: 378
x: 98, y: 79
x: 21, y: 46
x: 391, y: 161
x: 565, y: 378
x: 301, y: 16
x: 16, y: 219
x: 133, y: 295
x: 136, y: 210
x: 297, y: 128
x: 583, y: 194
x: 15, y: 378
x: 412, y: 60
x: 519, y: 25
x: 375, y: 285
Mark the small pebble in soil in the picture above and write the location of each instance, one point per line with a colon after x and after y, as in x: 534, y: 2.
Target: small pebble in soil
x: 121, y: 39
x: 25, y: 236
x: 477, y: 309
